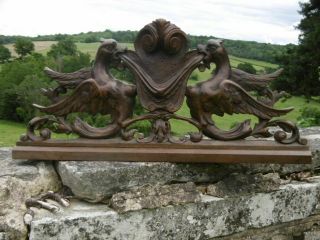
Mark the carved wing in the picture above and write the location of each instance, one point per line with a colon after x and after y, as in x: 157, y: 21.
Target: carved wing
x: 252, y: 82
x: 87, y: 97
x: 242, y: 102
x: 70, y: 80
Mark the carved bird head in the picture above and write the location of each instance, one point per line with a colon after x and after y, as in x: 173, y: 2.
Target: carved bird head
x: 214, y: 46
x: 108, y: 52
x: 213, y: 49
x: 107, y: 46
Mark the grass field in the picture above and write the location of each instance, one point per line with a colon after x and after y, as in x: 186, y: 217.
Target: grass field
x: 40, y: 47
x: 11, y: 131
x: 91, y: 48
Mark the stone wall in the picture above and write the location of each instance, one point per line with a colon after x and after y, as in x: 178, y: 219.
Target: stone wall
x: 112, y: 200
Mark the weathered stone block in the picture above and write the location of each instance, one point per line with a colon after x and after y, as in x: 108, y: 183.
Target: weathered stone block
x: 97, y: 181
x: 209, y: 218
x: 4, y: 236
x: 154, y: 196
x: 238, y: 184
x: 312, y: 235
x: 20, y: 180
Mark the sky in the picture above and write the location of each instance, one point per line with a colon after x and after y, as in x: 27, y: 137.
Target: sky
x: 271, y: 21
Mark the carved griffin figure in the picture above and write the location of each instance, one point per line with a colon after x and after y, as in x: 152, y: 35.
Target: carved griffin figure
x: 161, y: 64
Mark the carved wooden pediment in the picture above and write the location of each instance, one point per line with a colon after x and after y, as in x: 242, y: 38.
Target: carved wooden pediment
x: 161, y: 63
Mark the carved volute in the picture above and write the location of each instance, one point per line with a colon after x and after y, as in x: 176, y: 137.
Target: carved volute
x: 161, y: 65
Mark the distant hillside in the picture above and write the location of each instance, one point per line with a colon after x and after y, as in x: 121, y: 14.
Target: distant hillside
x: 244, y: 49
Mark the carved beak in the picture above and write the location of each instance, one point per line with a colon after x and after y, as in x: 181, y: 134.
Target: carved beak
x: 202, y: 48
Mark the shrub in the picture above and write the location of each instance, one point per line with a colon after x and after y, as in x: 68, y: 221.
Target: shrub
x: 5, y: 54
x: 194, y: 76
x: 23, y: 46
x: 310, y: 116
x: 247, y: 67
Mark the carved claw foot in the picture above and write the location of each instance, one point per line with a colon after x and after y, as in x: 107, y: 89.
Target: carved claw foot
x: 41, y: 202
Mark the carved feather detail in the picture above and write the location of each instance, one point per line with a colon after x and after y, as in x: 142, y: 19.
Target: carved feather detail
x: 252, y: 82
x: 226, y: 92
x: 242, y: 102
x: 79, y: 101
x: 93, y: 91
x: 70, y: 79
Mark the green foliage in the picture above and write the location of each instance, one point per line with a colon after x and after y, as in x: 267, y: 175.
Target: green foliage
x: 194, y: 76
x: 64, y: 47
x: 8, y: 105
x: 310, y: 116
x: 142, y: 127
x: 57, y: 37
x: 245, y: 49
x: 10, y: 132
x: 28, y: 92
x: 127, y: 76
x: 97, y: 120
x: 75, y: 62
x: 7, y: 39
x: 123, y: 74
x: 247, y: 67
x: 5, y: 54
x: 17, y: 88
x: 22, y: 79
x: 66, y: 56
x: 23, y: 46
x: 301, y: 63
x: 234, y: 124
x: 91, y: 39
x: 269, y: 69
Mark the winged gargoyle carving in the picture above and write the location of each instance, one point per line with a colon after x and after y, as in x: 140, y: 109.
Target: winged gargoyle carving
x: 96, y: 91
x: 225, y: 92
x: 161, y: 64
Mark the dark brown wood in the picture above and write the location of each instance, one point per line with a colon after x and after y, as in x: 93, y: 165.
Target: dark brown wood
x: 161, y: 64
x: 204, y: 144
x: 226, y: 93
x: 205, y: 152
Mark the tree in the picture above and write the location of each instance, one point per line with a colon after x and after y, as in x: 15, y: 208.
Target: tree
x: 5, y: 54
x: 23, y: 46
x: 65, y: 47
x: 301, y: 63
x: 91, y: 39
x: 309, y: 48
x: 247, y: 67
x: 12, y: 75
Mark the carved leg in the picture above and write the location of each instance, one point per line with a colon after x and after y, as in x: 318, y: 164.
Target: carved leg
x: 41, y: 202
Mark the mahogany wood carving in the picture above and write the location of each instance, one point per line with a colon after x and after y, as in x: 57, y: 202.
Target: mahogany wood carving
x: 161, y: 64
x: 206, y: 151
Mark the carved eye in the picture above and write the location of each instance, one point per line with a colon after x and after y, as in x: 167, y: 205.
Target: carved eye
x: 212, y: 47
x: 110, y: 47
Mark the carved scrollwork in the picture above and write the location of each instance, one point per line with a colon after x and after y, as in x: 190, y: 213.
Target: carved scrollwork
x: 281, y: 136
x: 161, y: 34
x: 174, y: 40
x: 161, y: 128
x: 148, y: 39
x: 161, y: 65
x: 45, y: 125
